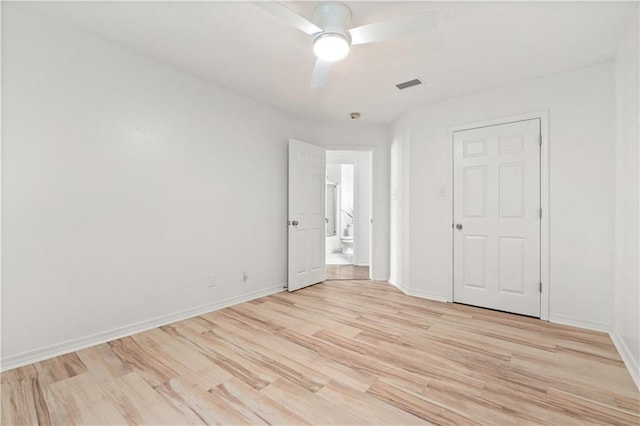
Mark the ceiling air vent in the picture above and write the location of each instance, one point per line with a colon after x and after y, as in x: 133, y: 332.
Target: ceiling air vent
x: 408, y: 84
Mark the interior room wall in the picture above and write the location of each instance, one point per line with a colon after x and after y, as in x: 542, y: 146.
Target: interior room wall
x: 582, y: 188
x: 395, y: 235
x: 626, y: 325
x: 399, y: 207
x: 118, y: 211
x: 334, y: 173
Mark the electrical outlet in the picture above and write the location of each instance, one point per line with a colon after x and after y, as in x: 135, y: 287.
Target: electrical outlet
x: 212, y: 281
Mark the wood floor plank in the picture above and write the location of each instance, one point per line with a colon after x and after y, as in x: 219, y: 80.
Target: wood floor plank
x: 347, y: 272
x: 320, y: 322
x: 212, y: 410
x: 22, y: 404
x: 627, y: 403
x: 59, y: 368
x: 417, y: 405
x: 83, y: 401
x: 575, y: 370
x: 102, y: 362
x: 591, y: 411
x: 322, y: 367
x: 20, y: 373
x: 340, y: 352
x: 184, y: 359
x: 276, y: 362
x: 532, y: 404
x: 373, y: 410
x: 236, y: 361
x: 311, y: 407
x: 148, y: 365
x: 139, y: 403
x: 402, y: 358
x: 247, y: 400
x: 359, y: 361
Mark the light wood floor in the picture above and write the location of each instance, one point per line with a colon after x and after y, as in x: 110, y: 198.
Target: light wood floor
x: 362, y: 353
x: 347, y: 272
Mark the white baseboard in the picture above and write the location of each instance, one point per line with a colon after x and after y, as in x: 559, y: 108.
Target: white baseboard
x: 419, y: 293
x: 428, y: 295
x: 399, y: 286
x: 632, y: 364
x: 579, y: 322
x: 73, y: 345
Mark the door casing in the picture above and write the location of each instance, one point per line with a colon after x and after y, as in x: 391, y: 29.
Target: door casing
x: 544, y: 194
x: 357, y: 194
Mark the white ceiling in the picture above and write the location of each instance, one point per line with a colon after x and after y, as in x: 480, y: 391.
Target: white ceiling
x: 477, y: 45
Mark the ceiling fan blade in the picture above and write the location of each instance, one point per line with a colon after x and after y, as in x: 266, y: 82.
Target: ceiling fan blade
x: 320, y: 73
x: 393, y: 28
x: 289, y: 16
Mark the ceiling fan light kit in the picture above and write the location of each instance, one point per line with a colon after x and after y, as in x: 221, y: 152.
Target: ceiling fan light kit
x: 332, y: 39
x: 333, y: 42
x: 331, y: 47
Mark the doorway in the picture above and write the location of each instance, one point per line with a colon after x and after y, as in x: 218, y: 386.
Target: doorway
x: 348, y: 215
x: 497, y: 216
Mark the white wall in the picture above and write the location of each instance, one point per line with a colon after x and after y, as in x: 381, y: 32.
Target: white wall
x: 361, y: 161
x: 580, y: 105
x: 117, y: 207
x: 334, y: 173
x: 400, y: 212
x: 626, y: 326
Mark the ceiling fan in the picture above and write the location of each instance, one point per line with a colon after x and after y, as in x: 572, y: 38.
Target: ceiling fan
x: 331, y: 37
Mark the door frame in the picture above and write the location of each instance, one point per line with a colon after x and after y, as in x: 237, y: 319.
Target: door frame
x: 356, y: 201
x: 543, y: 116
x: 372, y: 224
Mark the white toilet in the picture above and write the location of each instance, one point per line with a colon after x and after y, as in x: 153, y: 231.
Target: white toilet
x: 347, y: 244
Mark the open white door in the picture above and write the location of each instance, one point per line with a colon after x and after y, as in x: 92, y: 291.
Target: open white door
x: 497, y: 217
x: 306, y: 214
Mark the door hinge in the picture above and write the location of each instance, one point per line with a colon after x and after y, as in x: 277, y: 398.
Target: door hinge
x: 540, y: 213
x: 540, y: 140
x: 540, y: 289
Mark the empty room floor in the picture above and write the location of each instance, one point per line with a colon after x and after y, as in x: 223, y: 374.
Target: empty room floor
x: 362, y: 353
x: 339, y: 259
x: 347, y: 272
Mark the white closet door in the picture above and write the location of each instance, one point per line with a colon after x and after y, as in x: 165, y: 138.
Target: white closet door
x: 497, y: 217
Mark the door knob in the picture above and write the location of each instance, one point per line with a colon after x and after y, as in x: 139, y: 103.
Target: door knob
x: 295, y: 223
x: 459, y: 226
